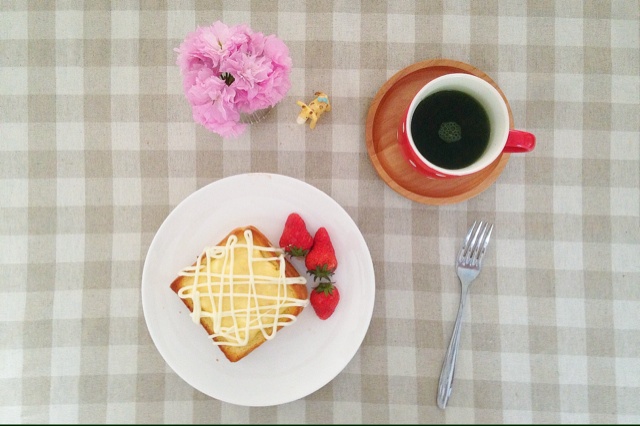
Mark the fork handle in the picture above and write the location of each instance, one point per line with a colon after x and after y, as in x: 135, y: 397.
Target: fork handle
x: 449, y: 365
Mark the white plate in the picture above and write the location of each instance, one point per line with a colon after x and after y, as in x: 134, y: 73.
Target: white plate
x: 304, y: 356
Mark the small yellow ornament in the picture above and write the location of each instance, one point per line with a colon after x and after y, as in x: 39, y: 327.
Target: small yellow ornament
x: 314, y: 110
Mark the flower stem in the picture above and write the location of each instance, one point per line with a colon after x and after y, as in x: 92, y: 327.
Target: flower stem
x: 228, y: 78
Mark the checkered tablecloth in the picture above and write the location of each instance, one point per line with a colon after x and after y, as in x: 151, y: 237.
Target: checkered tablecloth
x: 97, y: 146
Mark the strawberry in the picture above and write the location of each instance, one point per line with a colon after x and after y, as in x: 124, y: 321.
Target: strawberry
x: 324, y: 299
x: 295, y: 239
x: 321, y: 260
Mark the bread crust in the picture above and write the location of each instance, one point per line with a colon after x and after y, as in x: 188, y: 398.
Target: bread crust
x: 236, y: 353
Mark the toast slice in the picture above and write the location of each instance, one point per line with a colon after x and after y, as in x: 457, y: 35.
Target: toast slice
x: 242, y: 291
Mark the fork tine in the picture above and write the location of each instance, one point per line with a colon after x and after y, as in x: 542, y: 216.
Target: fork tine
x: 483, y: 242
x: 465, y: 244
x: 469, y: 234
x: 476, y: 238
x: 487, y: 237
x: 477, y: 243
x: 467, y: 249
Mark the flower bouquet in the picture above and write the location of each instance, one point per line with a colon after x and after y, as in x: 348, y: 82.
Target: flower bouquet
x: 231, y: 71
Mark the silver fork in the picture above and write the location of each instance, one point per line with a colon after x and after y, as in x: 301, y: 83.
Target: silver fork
x: 468, y: 267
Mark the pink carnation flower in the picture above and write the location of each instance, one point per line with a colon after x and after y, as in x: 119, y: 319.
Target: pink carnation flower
x: 231, y: 70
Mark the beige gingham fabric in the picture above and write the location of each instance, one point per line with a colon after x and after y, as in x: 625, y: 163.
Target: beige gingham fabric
x: 97, y: 145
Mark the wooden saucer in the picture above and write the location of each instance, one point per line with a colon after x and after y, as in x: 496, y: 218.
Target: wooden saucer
x: 384, y: 115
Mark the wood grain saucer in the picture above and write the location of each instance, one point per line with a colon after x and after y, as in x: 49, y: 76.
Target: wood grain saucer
x: 384, y: 115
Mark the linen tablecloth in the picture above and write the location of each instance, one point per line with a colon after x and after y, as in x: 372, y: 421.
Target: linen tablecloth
x: 98, y: 145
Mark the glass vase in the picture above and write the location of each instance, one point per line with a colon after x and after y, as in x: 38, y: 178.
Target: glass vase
x: 256, y: 116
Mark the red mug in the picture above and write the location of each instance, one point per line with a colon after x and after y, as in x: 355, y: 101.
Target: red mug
x: 458, y: 144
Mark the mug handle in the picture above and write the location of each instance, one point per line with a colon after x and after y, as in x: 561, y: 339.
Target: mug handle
x: 520, y: 141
